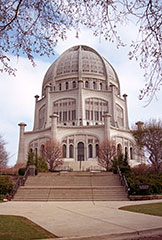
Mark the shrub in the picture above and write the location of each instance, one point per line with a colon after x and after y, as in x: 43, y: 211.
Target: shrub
x: 143, y: 169
x: 6, y: 185
x: 114, y: 165
x: 125, y: 169
x: 31, y: 159
x: 153, y: 180
x: 42, y: 165
x: 21, y: 171
x: 39, y: 162
x: 122, y: 162
x: 13, y: 170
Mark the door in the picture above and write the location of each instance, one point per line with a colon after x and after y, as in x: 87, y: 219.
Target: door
x: 80, y: 151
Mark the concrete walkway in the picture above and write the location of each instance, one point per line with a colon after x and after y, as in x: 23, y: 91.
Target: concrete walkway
x: 83, y: 220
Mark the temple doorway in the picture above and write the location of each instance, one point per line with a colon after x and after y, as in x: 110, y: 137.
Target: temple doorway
x: 80, y: 151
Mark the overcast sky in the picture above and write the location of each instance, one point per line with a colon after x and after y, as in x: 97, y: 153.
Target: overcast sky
x: 17, y: 93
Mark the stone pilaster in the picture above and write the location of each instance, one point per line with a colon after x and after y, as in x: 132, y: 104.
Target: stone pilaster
x: 107, y: 118
x: 48, y: 87
x: 67, y: 150
x: 54, y: 118
x: 126, y: 125
x: 80, y: 87
x: 21, y: 150
x: 113, y: 104
x: 80, y: 105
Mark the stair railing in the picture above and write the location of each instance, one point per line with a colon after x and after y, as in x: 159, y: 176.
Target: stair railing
x: 30, y: 171
x: 123, y: 180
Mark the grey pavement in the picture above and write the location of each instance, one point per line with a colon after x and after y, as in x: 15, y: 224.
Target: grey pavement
x: 86, y: 220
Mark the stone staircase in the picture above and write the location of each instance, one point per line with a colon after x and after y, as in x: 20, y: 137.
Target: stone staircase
x: 72, y: 186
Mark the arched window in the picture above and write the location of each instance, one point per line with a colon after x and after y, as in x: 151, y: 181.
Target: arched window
x: 90, y: 151
x: 36, y: 151
x: 71, y: 151
x: 60, y: 86
x: 100, y: 86
x: 97, y: 150
x: 42, y: 150
x: 80, y: 151
x: 126, y: 150
x: 94, y: 85
x: 67, y: 85
x: 74, y: 84
x: 131, y: 153
x: 87, y: 84
x: 64, y: 151
x: 119, y: 149
x: 126, y: 153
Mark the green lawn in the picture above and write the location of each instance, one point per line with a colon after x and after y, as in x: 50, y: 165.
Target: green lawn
x: 20, y: 228
x: 150, y: 208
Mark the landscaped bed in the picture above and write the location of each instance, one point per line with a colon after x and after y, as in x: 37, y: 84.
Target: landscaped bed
x: 150, y: 208
x: 20, y: 228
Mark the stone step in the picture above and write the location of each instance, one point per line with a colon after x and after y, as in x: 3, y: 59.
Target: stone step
x: 70, y: 194
x: 73, y: 181
x: 72, y: 186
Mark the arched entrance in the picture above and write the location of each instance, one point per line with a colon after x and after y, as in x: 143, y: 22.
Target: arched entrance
x: 80, y: 151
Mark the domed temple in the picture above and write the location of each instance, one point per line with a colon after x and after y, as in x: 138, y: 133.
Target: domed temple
x: 80, y: 106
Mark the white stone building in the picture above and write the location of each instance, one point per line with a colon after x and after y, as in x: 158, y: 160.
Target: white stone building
x: 80, y: 106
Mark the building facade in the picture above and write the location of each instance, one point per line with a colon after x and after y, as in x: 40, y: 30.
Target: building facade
x: 81, y: 105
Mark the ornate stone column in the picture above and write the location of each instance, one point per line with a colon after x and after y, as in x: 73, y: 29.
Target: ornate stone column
x: 21, y: 150
x: 107, y: 118
x: 36, y: 114
x: 54, y: 118
x: 139, y: 125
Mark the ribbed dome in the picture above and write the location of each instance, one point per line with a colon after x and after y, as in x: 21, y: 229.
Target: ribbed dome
x: 78, y: 62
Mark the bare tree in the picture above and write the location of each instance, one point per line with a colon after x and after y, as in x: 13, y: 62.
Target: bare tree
x: 32, y: 27
x: 107, y: 151
x: 3, y: 155
x: 149, y: 137
x: 53, y: 154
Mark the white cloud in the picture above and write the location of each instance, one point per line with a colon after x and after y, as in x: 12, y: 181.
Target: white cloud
x: 17, y: 100
x: 17, y: 93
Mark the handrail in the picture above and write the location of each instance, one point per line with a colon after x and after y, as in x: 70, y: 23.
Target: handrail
x: 15, y: 188
x: 123, y: 180
x: 20, y: 182
x: 24, y: 178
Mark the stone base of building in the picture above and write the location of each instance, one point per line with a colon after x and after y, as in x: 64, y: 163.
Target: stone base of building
x: 91, y: 165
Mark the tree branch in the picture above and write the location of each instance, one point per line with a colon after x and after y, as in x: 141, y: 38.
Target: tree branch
x: 16, y: 13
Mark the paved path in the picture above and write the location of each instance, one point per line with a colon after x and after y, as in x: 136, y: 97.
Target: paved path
x: 85, y: 219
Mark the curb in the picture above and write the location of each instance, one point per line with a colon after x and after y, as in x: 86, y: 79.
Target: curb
x: 118, y: 236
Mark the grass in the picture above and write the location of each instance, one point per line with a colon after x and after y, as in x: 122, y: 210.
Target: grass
x: 150, y: 208
x: 20, y: 228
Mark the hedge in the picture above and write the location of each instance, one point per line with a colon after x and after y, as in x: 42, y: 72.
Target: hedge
x: 6, y: 185
x: 153, y: 180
